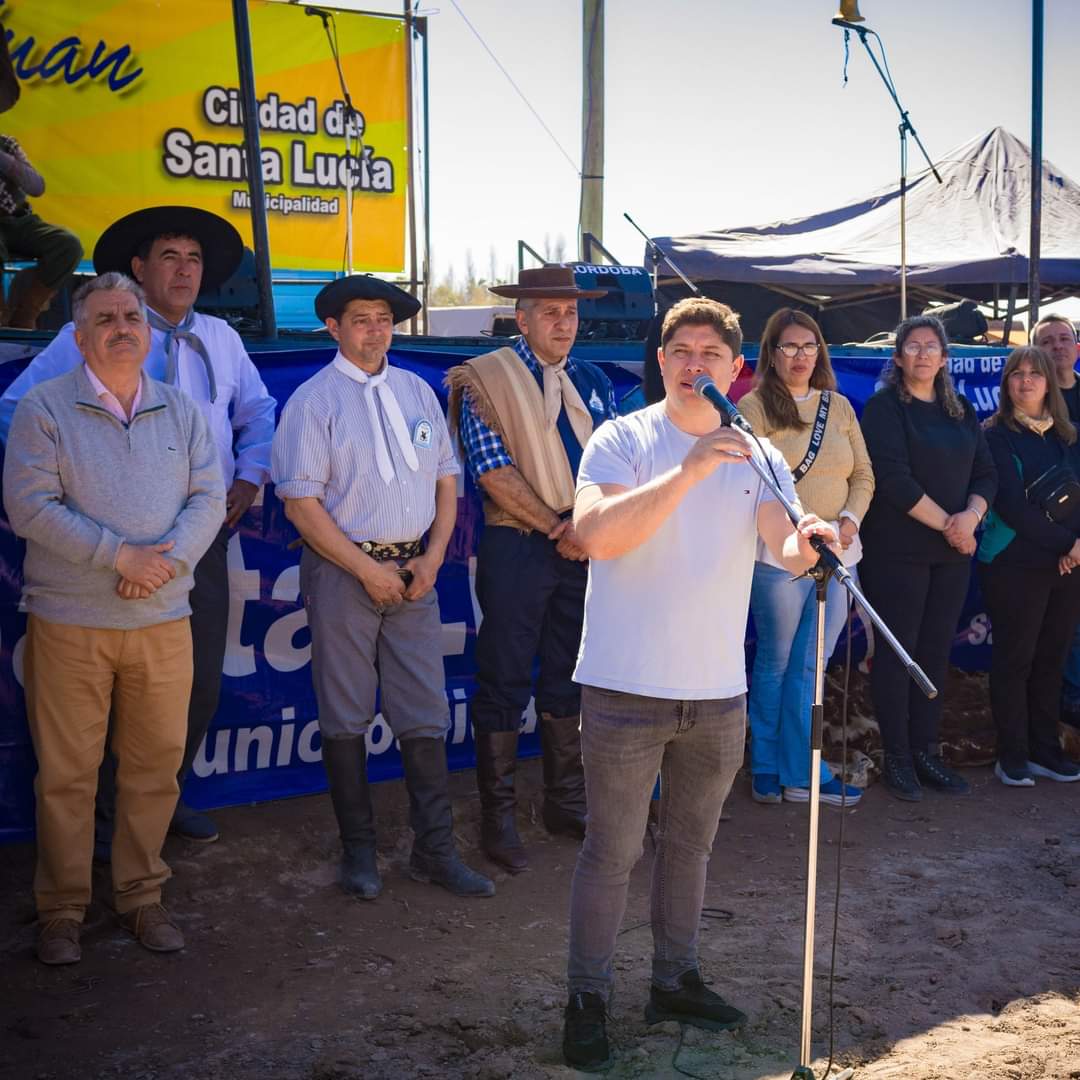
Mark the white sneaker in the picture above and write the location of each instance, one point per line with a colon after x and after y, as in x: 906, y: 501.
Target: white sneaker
x: 1014, y: 777
x: 834, y: 793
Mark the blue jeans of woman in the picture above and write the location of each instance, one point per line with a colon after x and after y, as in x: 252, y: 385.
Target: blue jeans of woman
x: 626, y: 739
x: 782, y: 683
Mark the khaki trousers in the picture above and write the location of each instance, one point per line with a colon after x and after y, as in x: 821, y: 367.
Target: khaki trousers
x: 74, y: 675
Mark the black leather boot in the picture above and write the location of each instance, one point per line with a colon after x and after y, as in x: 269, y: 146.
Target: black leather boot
x: 496, y: 762
x: 434, y: 857
x: 564, y: 776
x: 345, y: 761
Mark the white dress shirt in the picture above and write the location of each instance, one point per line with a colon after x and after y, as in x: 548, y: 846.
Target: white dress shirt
x: 325, y: 448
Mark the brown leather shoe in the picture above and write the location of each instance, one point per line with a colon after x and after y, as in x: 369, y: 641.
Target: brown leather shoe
x: 153, y: 928
x: 58, y: 942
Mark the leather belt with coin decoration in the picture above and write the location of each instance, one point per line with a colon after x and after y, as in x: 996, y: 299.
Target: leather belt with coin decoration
x: 407, y: 549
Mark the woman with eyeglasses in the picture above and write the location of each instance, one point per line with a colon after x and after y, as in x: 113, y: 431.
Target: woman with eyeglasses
x: 796, y: 405
x: 1027, y: 558
x: 935, y: 480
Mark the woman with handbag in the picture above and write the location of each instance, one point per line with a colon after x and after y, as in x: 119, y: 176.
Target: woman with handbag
x: 935, y: 481
x: 1027, y: 558
x: 795, y: 404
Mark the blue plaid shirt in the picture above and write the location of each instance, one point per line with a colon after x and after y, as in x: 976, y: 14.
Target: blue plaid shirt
x: 484, y: 449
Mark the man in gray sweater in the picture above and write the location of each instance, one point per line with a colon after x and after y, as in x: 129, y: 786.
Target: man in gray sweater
x: 113, y: 479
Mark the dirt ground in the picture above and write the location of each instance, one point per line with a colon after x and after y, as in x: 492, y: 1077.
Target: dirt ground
x: 958, y: 957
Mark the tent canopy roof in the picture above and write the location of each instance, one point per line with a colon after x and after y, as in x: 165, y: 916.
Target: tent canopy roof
x: 966, y: 235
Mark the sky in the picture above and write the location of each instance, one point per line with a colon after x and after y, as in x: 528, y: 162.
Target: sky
x: 719, y: 113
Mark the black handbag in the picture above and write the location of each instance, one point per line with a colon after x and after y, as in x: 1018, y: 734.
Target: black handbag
x: 1056, y: 492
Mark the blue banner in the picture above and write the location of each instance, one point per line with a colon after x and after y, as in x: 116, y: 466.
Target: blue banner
x: 264, y: 743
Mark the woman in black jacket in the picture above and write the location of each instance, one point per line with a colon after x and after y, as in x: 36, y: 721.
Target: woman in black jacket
x: 935, y: 481
x: 1026, y: 564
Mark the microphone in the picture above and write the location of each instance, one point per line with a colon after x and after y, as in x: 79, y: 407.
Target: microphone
x: 849, y: 25
x: 706, y: 388
x: 324, y: 15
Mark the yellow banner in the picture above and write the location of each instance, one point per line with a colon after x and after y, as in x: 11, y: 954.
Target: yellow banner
x: 134, y: 103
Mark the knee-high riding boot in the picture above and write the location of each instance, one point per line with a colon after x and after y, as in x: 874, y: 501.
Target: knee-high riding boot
x: 345, y: 761
x: 434, y: 857
x: 496, y: 762
x: 564, y: 776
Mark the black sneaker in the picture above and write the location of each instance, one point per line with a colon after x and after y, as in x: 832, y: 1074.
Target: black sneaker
x: 585, y: 1041
x: 1054, y: 765
x: 933, y: 772
x: 1014, y: 773
x: 693, y: 1003
x: 898, y: 775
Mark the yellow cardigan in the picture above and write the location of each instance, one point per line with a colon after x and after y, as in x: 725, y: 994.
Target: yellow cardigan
x: 841, y: 478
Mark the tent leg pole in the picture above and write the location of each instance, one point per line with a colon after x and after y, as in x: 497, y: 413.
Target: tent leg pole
x: 903, y: 220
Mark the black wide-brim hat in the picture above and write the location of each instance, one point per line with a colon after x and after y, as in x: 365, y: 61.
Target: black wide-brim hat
x: 331, y: 300
x: 547, y: 283
x: 222, y: 247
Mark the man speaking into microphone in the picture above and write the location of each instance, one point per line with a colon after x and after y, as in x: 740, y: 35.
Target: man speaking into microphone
x: 669, y: 511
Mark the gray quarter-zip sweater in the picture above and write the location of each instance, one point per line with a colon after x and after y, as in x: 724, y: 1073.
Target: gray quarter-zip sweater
x: 78, y: 483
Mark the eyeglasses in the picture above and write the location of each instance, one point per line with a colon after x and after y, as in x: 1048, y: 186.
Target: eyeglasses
x: 1019, y: 373
x: 913, y: 348
x: 791, y: 350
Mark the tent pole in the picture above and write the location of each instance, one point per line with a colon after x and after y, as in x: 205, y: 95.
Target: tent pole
x: 903, y: 221
x: 1010, y: 311
x: 1035, y: 247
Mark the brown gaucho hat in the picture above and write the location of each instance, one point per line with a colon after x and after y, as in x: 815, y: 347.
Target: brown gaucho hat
x: 547, y: 283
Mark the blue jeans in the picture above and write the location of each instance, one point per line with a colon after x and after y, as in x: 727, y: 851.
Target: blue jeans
x: 782, y: 683
x: 626, y: 739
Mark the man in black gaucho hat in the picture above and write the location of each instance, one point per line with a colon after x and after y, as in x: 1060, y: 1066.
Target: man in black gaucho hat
x: 524, y: 415
x: 364, y: 464
x: 176, y: 252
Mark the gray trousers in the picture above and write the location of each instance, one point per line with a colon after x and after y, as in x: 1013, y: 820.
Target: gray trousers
x: 357, y: 649
x: 696, y: 747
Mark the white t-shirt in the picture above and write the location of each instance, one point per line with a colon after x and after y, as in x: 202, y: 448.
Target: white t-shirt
x: 668, y: 619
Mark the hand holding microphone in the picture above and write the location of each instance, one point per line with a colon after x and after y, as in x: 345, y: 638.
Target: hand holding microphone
x: 728, y: 444
x: 706, y: 388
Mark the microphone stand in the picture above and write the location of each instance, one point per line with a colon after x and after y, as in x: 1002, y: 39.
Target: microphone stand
x: 827, y: 566
x: 906, y: 128
x: 347, y: 127
x: 659, y: 256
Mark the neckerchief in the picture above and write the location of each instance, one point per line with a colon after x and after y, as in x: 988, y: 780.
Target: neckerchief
x: 377, y: 384
x: 182, y: 331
